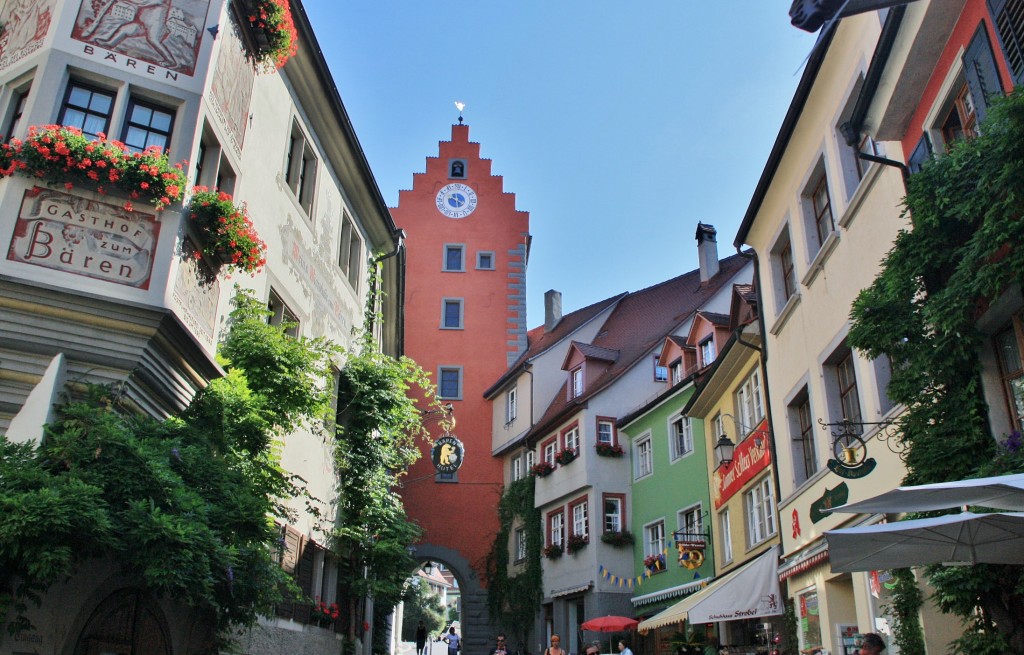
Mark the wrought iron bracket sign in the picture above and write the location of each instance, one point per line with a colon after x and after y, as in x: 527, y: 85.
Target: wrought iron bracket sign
x: 447, y: 454
x: 850, y: 450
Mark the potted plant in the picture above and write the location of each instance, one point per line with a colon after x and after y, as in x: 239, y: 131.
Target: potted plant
x: 618, y: 539
x: 324, y: 613
x: 274, y: 31
x: 542, y: 469
x: 565, y: 456
x: 576, y: 543
x: 554, y: 551
x: 65, y: 156
x: 226, y: 230
x: 609, y: 450
x: 655, y: 563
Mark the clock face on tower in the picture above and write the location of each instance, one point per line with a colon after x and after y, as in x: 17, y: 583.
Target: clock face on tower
x: 456, y: 200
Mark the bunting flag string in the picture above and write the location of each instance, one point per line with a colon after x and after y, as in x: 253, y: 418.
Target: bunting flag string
x: 634, y: 581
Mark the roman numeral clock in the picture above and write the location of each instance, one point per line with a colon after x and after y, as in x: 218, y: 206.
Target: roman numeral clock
x: 456, y: 200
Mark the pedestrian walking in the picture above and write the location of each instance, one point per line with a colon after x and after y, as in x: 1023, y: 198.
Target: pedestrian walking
x: 453, y: 640
x: 421, y: 638
x: 556, y: 646
x: 624, y: 649
x: 871, y: 644
x: 499, y: 648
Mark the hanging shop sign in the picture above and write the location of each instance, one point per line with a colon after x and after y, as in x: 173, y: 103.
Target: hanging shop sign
x: 447, y: 454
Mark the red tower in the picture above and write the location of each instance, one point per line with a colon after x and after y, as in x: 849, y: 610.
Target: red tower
x: 465, y: 316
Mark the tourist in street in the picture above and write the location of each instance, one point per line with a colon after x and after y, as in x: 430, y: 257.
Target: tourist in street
x: 624, y: 649
x: 593, y: 648
x: 500, y: 648
x: 556, y: 646
x: 871, y: 644
x: 452, y: 640
x: 421, y: 637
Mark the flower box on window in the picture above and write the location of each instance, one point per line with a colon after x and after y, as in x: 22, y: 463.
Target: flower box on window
x: 272, y: 28
x: 655, y: 563
x: 618, y: 539
x: 324, y: 613
x: 542, y: 469
x: 554, y: 551
x: 576, y: 543
x: 563, y: 457
x: 609, y: 450
x: 226, y: 231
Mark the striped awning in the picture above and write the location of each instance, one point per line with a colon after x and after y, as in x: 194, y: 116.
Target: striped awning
x: 671, y: 592
x: 568, y: 591
x: 812, y: 557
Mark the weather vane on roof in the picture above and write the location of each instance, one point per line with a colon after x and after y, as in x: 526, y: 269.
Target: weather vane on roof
x: 460, y: 106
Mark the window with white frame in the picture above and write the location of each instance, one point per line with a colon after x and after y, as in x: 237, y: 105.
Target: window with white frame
x: 644, y: 462
x: 571, y: 439
x: 517, y: 468
x: 556, y: 528
x: 660, y: 372
x: 749, y: 403
x: 576, y: 378
x: 690, y: 520
x: 531, y: 459
x: 520, y: 544
x: 680, y: 437
x: 613, y: 517
x: 550, y: 449
x: 707, y: 351
x: 726, y: 528
x: 760, y: 512
x: 676, y: 371
x: 580, y: 520
x: 510, y: 405
x: 654, y: 539
x: 605, y: 432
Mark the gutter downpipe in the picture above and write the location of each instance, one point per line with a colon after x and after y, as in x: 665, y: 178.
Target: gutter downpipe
x: 752, y: 255
x: 399, y: 237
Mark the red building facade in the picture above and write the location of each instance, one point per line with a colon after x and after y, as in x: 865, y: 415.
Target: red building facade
x: 465, y: 318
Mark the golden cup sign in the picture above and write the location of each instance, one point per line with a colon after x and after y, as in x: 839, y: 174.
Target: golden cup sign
x: 447, y: 454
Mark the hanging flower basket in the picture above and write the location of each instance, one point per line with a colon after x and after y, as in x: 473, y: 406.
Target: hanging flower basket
x: 563, y: 457
x: 655, y: 563
x: 618, y: 539
x: 542, y: 469
x: 554, y: 551
x: 226, y: 231
x: 273, y: 30
x: 608, y: 450
x: 64, y: 156
x: 576, y: 543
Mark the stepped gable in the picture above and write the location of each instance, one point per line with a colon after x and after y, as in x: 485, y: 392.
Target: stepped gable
x: 638, y: 323
x: 539, y: 340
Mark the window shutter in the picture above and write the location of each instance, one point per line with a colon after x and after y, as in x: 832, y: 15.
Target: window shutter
x: 922, y: 153
x: 289, y: 561
x: 981, y: 72
x: 1009, y: 20
x: 304, y: 578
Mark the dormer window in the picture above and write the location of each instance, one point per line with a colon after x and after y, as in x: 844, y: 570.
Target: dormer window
x: 677, y: 371
x: 576, y: 379
x: 707, y: 351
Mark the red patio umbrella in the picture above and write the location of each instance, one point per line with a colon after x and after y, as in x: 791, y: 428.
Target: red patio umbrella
x: 610, y: 624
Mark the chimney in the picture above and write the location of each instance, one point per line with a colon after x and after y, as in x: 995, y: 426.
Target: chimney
x: 707, y: 251
x: 552, y: 309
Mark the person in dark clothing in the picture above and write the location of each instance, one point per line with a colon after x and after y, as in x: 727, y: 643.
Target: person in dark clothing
x: 421, y: 638
x: 500, y: 648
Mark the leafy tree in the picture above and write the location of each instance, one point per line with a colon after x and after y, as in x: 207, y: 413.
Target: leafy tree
x: 421, y: 604
x: 516, y: 599
x: 961, y: 255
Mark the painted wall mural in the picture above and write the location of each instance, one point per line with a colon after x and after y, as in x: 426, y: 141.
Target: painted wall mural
x: 84, y: 237
x: 164, y: 33
x: 26, y: 23
x: 197, y: 291
x: 232, y: 84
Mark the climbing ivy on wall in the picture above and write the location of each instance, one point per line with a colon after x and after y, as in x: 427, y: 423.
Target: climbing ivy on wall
x: 515, y: 599
x: 964, y: 250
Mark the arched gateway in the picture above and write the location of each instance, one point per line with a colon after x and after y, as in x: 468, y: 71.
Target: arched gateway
x: 465, y: 323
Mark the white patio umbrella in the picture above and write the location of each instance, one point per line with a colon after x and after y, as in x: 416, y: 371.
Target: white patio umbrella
x: 969, y: 538
x: 1004, y: 492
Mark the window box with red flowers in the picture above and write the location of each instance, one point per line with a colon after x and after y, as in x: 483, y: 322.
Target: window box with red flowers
x: 63, y: 156
x: 226, y: 231
x: 563, y: 457
x: 324, y: 613
x: 576, y: 543
x: 609, y: 450
x: 655, y: 563
x: 273, y: 32
x: 554, y: 551
x: 542, y: 469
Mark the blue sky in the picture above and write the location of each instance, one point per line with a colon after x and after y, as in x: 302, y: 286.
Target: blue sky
x: 618, y: 125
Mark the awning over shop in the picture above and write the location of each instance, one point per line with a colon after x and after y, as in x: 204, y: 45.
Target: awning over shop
x: 671, y: 592
x: 812, y: 556
x: 748, y: 592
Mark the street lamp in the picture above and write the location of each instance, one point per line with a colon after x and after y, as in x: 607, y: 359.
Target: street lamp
x: 428, y: 568
x: 724, y: 450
